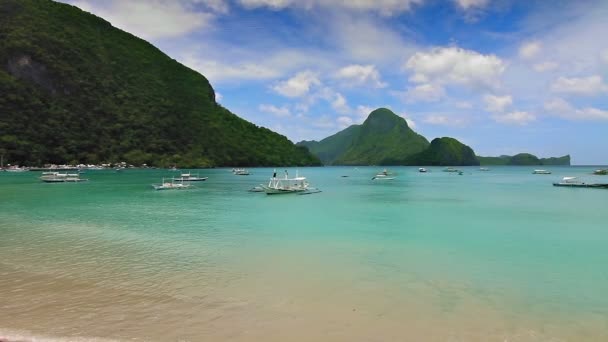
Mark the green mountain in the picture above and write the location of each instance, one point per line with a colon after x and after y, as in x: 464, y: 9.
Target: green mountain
x: 524, y: 159
x: 76, y: 89
x: 444, y: 152
x: 383, y: 136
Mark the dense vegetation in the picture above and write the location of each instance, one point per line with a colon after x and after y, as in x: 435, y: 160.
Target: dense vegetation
x: 383, y: 136
x: 524, y: 159
x: 75, y: 89
x: 442, y: 152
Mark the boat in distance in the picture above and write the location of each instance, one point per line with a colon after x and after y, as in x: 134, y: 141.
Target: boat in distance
x: 384, y: 175
x: 173, y: 184
x: 541, y: 172
x: 189, y: 177
x: 57, y: 177
x: 422, y: 170
x: 573, y: 182
x: 286, y: 185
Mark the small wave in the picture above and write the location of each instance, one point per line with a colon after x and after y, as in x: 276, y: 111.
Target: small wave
x: 24, y: 336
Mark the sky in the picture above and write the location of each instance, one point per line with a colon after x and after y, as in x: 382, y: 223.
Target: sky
x: 503, y: 76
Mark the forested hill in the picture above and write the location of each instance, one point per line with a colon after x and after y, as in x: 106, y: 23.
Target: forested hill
x: 75, y: 89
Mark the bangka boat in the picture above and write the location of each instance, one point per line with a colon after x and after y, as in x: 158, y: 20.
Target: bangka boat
x: 450, y: 169
x: 57, y: 177
x: 189, y: 177
x: 601, y: 172
x: 541, y: 172
x: 384, y: 175
x: 173, y: 184
x: 286, y: 185
x: 16, y: 169
x: 484, y: 169
x: 573, y: 182
x: 240, y: 172
x: 422, y: 170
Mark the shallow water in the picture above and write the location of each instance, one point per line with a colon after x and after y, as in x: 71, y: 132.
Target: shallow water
x: 486, y: 256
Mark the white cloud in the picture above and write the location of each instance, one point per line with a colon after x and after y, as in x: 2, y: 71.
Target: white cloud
x: 280, y: 112
x: 515, y: 118
x: 339, y: 104
x: 344, y: 121
x: 497, y: 104
x: 424, y: 93
x: 217, y: 71
x: 561, y: 108
x: 444, y: 120
x: 384, y: 7
x: 454, y: 65
x: 469, y: 4
x: 364, y: 111
x: 545, y: 66
x: 411, y: 123
x: 529, y: 50
x: 604, y: 56
x: 299, y: 85
x: 218, y: 97
x: 588, y: 86
x: 155, y: 19
x: 361, y: 75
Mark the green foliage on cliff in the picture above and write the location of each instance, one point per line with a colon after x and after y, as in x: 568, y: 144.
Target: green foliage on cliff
x: 74, y: 88
x: 443, y: 152
x: 524, y: 159
x: 383, y: 136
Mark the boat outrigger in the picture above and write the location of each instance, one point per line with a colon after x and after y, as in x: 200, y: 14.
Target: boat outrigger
x: 573, y: 182
x: 287, y: 185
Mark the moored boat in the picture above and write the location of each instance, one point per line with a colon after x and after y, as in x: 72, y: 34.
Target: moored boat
x: 601, y: 172
x: 541, y: 172
x: 189, y: 177
x: 241, y: 172
x: 573, y: 182
x: 422, y: 170
x: 286, y: 185
x: 172, y: 184
x: 57, y: 177
x: 450, y: 169
x: 484, y: 169
x: 384, y: 175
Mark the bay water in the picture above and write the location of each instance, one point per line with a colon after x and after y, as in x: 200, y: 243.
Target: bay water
x: 484, y: 256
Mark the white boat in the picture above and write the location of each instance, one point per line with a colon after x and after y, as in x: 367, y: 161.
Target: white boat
x: 450, y: 169
x: 16, y: 169
x: 384, y: 175
x: 240, y: 172
x: 285, y: 185
x: 189, y: 177
x: 541, y: 172
x: 484, y: 169
x: 423, y: 170
x: 573, y: 182
x: 172, y: 184
x: 57, y: 177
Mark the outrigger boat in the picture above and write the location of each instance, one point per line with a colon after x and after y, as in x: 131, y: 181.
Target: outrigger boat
x: 286, y: 185
x: 240, y: 172
x: 173, y: 184
x: 384, y: 175
x: 573, y: 182
x: 56, y: 177
x: 450, y: 169
x: 189, y: 177
x: 601, y: 172
x: 422, y: 170
x: 541, y: 172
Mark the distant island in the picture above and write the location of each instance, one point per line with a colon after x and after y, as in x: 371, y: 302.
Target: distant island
x: 385, y: 138
x: 524, y: 159
x: 77, y: 90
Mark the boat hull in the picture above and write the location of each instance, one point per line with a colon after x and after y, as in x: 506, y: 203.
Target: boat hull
x: 582, y: 185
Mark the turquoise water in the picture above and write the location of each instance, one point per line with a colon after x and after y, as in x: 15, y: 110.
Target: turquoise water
x: 483, y: 256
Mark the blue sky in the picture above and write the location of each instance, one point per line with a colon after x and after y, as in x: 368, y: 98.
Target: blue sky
x: 504, y: 76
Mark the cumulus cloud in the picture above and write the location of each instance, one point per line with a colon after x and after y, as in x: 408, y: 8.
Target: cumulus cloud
x: 587, y: 86
x: 155, y: 19
x: 344, y: 121
x: 218, y: 71
x: 444, y: 120
x: 453, y: 65
x: 299, y: 85
x: 471, y: 4
x: 424, y: 93
x: 497, y: 104
x: 515, y: 118
x: 218, y: 97
x: 561, y: 108
x: 280, y: 112
x: 339, y: 104
x: 529, y: 50
x: 361, y: 75
x: 410, y: 122
x: 384, y: 7
x: 545, y: 66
